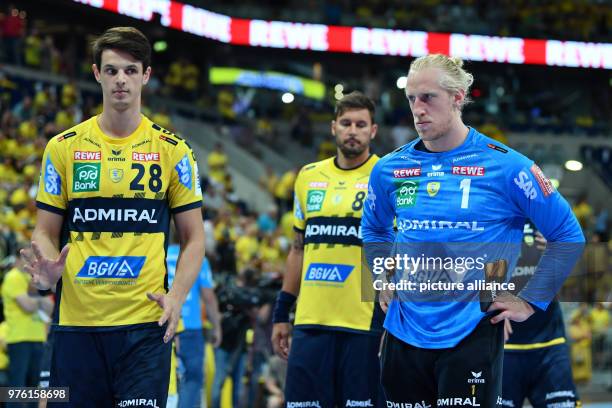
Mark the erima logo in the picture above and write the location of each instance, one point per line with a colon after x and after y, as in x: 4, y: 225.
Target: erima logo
x: 116, y: 159
x: 329, y: 273
x: 462, y: 402
x: 119, y: 267
x: 476, y: 378
x: 436, y: 167
x: 114, y: 214
x: 333, y: 230
x: 407, y: 225
x: 357, y: 403
x: 303, y: 404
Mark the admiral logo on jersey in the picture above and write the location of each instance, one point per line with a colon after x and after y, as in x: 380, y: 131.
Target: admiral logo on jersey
x: 53, y: 181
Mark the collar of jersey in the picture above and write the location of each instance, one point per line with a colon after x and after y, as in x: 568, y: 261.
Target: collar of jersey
x: 119, y: 140
x: 468, y: 141
x: 340, y: 169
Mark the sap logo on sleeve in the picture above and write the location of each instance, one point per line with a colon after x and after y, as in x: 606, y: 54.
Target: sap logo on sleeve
x: 119, y: 267
x: 524, y: 183
x: 297, y: 211
x: 183, y: 168
x: 328, y: 272
x: 53, y: 181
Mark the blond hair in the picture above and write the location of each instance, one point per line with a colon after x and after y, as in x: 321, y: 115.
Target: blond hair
x: 454, y: 78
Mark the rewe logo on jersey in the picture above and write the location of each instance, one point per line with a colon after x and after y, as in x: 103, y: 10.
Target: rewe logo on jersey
x: 86, y: 177
x: 468, y: 170
x: 409, y: 172
x: 119, y: 267
x: 145, y: 157
x: 328, y: 272
x: 85, y: 155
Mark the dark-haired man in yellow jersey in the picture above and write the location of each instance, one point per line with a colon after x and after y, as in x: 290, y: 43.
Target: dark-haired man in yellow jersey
x: 333, y: 355
x: 108, y: 186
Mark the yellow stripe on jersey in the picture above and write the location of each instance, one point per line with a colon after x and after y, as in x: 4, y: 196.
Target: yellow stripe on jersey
x: 116, y: 196
x: 327, y: 207
x: 533, y: 346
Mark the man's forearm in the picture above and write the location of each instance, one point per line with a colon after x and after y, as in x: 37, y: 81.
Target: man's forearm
x: 295, y: 259
x: 50, y: 246
x: 187, y: 269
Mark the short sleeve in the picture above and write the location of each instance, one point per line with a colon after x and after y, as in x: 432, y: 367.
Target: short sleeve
x: 52, y: 195
x: 299, y: 220
x: 184, y: 192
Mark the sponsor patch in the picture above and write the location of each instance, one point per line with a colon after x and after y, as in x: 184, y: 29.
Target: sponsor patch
x: 361, y: 186
x: 523, y: 181
x: 409, y: 172
x: 498, y: 148
x: 406, y: 194
x: 145, y: 157
x: 468, y: 170
x: 66, y: 136
x: 85, y: 155
x: 544, y: 182
x: 86, y: 177
x: 118, y: 267
x: 328, y: 272
x: 53, y: 181
x: 183, y: 168
x: 168, y: 139
x: 314, y: 200
x: 318, y: 184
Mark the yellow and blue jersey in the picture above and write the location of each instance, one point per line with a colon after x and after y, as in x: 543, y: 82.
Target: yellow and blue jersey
x: 327, y: 209
x: 116, y: 196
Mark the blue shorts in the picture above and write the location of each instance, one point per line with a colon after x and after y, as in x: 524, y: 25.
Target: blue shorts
x: 544, y: 376
x: 333, y: 368
x: 120, y: 368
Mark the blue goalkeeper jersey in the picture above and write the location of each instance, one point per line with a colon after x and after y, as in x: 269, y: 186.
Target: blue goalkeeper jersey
x: 467, y: 203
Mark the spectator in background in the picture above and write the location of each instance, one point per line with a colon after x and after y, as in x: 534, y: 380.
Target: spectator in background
x: 283, y: 193
x: 269, y: 180
x: 162, y: 118
x: 33, y: 49
x: 217, y: 163
x: 275, y: 375
x: 301, y: 128
x: 580, y: 333
x: 26, y: 314
x: 600, y: 323
x: 13, y: 31
x: 191, y: 79
x: 601, y: 224
x: 327, y: 149
x: 584, y: 212
x: 191, y: 349
x: 267, y: 220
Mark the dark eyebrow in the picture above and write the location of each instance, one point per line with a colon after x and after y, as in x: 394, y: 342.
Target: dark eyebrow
x: 106, y: 66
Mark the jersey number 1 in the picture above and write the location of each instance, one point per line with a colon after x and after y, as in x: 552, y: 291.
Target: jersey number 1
x: 465, y: 197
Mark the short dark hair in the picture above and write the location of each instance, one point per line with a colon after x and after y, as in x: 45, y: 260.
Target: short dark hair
x: 126, y: 39
x: 355, y: 100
